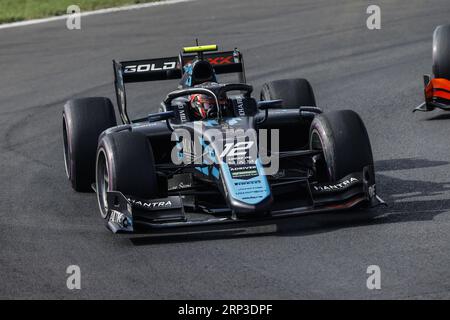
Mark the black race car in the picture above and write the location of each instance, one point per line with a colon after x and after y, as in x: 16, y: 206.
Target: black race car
x: 205, y: 159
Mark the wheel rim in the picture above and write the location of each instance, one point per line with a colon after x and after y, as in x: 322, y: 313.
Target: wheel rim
x: 316, y: 142
x: 102, y: 183
x: 323, y: 172
x: 66, y: 149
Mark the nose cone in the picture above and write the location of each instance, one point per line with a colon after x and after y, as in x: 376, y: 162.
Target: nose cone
x: 247, y: 188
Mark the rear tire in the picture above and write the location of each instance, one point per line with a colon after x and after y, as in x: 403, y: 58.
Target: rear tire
x: 83, y: 121
x: 125, y: 163
x: 345, y: 143
x: 293, y: 92
x: 441, y: 51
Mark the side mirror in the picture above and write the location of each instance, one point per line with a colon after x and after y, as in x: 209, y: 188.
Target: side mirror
x: 154, y: 117
x: 166, y: 115
x: 266, y: 105
x: 270, y: 104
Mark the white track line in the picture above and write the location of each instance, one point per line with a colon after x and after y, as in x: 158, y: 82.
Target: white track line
x: 90, y: 13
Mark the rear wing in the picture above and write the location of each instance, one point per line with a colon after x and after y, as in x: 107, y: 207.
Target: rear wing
x: 168, y: 69
x: 222, y: 62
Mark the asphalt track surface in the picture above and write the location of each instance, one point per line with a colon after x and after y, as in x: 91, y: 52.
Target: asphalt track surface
x: 45, y: 226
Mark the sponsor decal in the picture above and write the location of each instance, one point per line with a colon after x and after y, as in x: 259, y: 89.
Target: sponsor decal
x: 243, y: 172
x: 151, y: 205
x: 182, y: 113
x: 180, y: 186
x: 247, y: 183
x: 150, y: 67
x: 119, y: 218
x: 216, y: 60
x: 240, y: 106
x: 180, y: 181
x: 221, y: 60
x: 337, y: 186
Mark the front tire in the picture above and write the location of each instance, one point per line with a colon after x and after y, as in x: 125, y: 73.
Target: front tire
x: 125, y: 163
x: 343, y: 138
x: 83, y: 121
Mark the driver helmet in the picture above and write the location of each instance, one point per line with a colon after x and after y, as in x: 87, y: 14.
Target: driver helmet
x: 202, y: 106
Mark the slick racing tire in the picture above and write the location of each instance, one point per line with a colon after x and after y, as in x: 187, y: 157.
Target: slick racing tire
x: 83, y: 121
x: 293, y: 92
x: 125, y: 163
x: 441, y: 52
x: 343, y: 138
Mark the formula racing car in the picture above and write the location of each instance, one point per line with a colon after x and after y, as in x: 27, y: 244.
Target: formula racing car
x: 437, y: 89
x: 214, y: 154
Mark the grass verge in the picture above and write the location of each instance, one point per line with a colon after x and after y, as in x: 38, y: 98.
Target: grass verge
x: 19, y: 10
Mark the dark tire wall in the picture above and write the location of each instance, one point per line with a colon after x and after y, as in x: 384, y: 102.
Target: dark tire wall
x: 130, y: 163
x: 293, y: 92
x: 83, y: 121
x: 345, y: 142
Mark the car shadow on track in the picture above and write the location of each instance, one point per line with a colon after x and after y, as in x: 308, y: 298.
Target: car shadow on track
x: 412, y: 200
x: 440, y: 116
x: 407, y: 164
x: 408, y: 200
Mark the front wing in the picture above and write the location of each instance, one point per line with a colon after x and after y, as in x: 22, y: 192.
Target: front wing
x: 437, y: 95
x: 128, y: 214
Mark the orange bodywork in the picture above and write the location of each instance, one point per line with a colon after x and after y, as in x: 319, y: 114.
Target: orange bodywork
x: 438, y: 88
